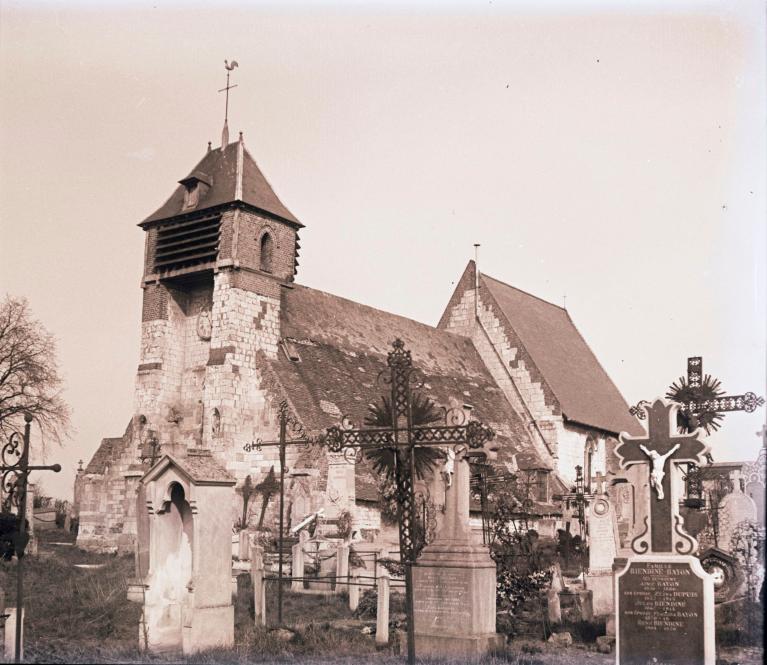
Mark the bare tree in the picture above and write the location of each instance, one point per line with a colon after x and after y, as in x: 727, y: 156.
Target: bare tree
x: 29, y: 375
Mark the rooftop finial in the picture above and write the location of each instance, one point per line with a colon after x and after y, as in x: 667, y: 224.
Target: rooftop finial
x: 476, y: 280
x: 225, y: 133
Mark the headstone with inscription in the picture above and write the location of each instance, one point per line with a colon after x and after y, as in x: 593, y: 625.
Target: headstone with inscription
x: 454, y: 583
x: 664, y: 599
x: 603, y: 548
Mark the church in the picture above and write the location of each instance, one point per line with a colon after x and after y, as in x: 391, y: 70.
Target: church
x: 228, y: 334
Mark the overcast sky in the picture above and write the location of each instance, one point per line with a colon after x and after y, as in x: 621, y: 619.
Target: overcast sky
x: 612, y: 153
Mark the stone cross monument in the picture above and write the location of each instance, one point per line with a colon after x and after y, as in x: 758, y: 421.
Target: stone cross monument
x: 454, y: 580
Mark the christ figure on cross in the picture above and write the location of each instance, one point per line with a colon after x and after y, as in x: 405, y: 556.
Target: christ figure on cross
x: 658, y: 461
x: 449, y: 468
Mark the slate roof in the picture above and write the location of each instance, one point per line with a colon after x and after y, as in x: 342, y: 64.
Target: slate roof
x: 105, y: 454
x: 219, y: 169
x: 342, y: 346
x: 109, y: 451
x: 199, y: 464
x: 585, y: 392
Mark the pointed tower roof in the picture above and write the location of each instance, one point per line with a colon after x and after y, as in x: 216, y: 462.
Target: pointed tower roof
x: 231, y: 175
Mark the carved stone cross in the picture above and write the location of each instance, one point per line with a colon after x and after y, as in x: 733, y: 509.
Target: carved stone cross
x: 661, y: 450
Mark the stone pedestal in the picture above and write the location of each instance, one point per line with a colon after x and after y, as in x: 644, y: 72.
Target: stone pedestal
x: 600, y: 583
x: 454, y: 585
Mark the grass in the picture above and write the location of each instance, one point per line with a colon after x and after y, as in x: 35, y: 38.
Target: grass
x: 79, y: 616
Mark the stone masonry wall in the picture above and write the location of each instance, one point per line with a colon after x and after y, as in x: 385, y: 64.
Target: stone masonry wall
x: 562, y: 444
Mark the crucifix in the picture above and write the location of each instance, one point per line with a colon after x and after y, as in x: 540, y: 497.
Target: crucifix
x: 405, y: 438
x: 661, y: 450
x: 292, y: 432
x: 229, y: 66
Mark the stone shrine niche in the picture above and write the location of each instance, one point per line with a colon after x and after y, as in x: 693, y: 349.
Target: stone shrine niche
x: 187, y: 597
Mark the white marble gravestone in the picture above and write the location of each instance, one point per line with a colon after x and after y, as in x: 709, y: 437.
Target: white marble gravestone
x: 454, y: 583
x: 187, y: 597
x: 603, y: 548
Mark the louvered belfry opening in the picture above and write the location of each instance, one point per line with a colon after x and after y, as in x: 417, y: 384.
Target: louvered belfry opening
x: 187, y: 243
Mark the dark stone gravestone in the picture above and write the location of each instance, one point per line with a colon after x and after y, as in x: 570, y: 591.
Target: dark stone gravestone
x: 665, y: 612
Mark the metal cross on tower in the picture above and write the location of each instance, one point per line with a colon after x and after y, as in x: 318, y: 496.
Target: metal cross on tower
x: 291, y: 433
x: 229, y: 66
x: 661, y: 450
x: 404, y: 437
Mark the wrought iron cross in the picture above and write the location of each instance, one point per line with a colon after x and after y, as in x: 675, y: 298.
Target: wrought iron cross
x: 15, y: 471
x: 292, y: 432
x: 404, y: 438
x: 701, y: 400
x: 661, y: 450
x: 578, y: 497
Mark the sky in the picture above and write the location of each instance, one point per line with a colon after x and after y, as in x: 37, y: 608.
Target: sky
x: 609, y: 153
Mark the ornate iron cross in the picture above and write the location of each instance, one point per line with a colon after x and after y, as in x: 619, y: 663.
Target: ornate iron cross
x: 578, y: 497
x: 662, y: 449
x: 404, y: 438
x: 702, y: 402
x: 15, y: 470
x: 292, y: 432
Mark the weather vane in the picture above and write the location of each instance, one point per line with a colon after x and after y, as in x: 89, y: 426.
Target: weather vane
x: 229, y: 67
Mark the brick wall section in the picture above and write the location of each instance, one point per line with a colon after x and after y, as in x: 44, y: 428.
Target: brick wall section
x: 150, y: 245
x: 155, y: 303
x: 251, y: 228
x: 226, y: 234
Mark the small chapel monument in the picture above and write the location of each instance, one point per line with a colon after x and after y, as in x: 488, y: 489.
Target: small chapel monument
x: 454, y: 581
x: 187, y: 591
x: 664, y: 599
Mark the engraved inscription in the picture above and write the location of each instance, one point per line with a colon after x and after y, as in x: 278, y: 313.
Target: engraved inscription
x: 441, y: 599
x: 660, y: 610
x: 602, y: 550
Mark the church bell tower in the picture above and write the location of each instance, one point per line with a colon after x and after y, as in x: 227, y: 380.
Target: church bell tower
x: 218, y: 254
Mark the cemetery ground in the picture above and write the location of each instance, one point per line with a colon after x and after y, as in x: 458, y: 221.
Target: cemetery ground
x: 80, y: 615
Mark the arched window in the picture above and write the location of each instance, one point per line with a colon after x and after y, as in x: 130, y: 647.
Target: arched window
x: 266, y: 252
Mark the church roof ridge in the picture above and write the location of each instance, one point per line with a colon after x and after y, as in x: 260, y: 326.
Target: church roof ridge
x: 527, y: 293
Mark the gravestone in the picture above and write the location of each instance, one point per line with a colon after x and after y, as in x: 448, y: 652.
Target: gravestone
x: 382, y: 609
x: 454, y: 583
x: 603, y: 548
x: 9, y: 635
x: 297, y: 562
x: 187, y: 600
x: 664, y: 599
x: 734, y: 508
